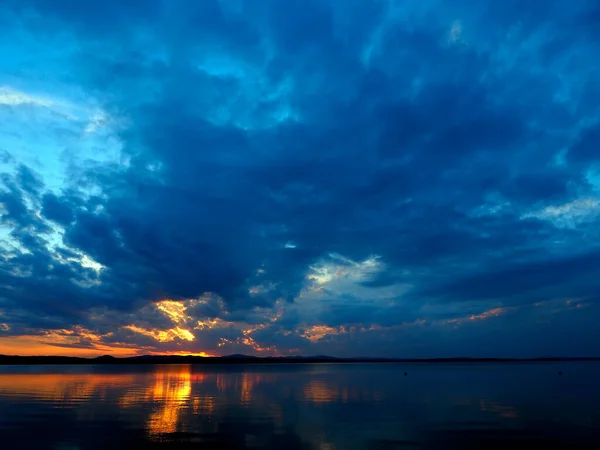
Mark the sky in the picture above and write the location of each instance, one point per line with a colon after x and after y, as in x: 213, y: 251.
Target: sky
x: 415, y: 178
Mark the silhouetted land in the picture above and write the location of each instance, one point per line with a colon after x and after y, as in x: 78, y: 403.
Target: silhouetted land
x: 243, y: 359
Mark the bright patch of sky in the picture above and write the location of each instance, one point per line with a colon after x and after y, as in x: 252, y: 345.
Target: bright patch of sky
x: 56, y: 134
x: 569, y: 215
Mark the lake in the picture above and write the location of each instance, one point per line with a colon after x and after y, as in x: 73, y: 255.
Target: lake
x: 301, y: 406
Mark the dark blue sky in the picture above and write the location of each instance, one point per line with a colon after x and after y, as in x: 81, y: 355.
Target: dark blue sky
x: 348, y: 177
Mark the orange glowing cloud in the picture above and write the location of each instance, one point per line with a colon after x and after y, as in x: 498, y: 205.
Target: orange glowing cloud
x: 495, y: 312
x: 318, y: 332
x: 163, y: 335
x: 176, y: 311
x: 252, y: 343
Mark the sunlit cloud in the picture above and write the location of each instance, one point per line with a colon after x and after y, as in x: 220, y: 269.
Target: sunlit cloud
x: 261, y: 288
x: 208, y: 324
x: 163, y: 335
x: 318, y: 332
x: 250, y: 342
x: 11, y: 97
x: 174, y: 310
x: 568, y: 215
x: 339, y: 267
x: 495, y: 312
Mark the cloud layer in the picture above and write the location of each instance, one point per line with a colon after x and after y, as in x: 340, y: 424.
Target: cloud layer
x: 415, y: 178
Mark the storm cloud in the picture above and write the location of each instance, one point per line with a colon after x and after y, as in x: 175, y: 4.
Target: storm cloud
x: 410, y: 178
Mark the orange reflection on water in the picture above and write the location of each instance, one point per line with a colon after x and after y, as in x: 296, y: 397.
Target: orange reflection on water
x: 61, y: 387
x: 250, y: 381
x: 204, y: 405
x: 243, y: 384
x: 222, y: 383
x: 322, y: 391
x: 169, y: 389
x: 317, y: 391
x: 247, y: 386
x: 172, y: 389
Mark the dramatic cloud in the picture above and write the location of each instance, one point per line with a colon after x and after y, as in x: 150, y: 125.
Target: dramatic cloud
x: 395, y: 178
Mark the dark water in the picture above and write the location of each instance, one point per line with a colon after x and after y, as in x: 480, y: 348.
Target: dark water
x: 322, y: 406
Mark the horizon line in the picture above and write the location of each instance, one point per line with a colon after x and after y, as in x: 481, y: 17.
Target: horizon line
x: 108, y: 357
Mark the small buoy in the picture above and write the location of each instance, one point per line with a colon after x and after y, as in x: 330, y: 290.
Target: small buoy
x: 405, y: 373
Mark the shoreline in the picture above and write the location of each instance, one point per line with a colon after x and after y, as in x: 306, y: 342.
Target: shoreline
x: 6, y: 360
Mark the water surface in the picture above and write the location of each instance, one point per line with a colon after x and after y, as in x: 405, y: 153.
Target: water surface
x: 301, y: 406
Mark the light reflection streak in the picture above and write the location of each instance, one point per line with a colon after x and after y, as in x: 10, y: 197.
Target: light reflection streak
x: 171, y: 393
x: 62, y: 387
x: 164, y: 399
x: 244, y: 384
x: 169, y: 389
x: 317, y: 391
x: 247, y: 386
x: 320, y: 391
x: 172, y: 390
